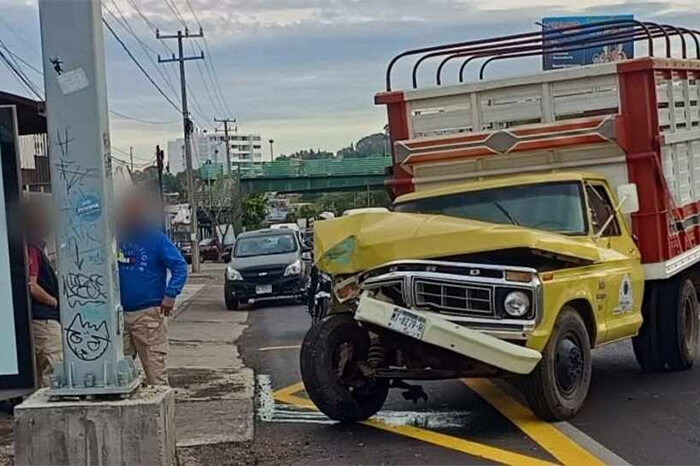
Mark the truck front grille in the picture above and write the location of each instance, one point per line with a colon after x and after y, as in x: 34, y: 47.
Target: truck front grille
x: 453, y: 297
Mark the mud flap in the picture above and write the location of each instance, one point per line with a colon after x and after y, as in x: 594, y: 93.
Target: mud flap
x: 434, y: 330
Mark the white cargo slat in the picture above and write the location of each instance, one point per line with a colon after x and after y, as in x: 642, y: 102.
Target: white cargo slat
x: 512, y: 102
x: 662, y: 94
x: 441, y: 122
x: 679, y: 116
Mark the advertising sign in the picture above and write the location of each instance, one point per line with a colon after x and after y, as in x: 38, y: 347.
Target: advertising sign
x: 600, y: 53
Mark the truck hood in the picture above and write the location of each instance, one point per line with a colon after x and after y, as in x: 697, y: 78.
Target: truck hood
x: 353, y: 244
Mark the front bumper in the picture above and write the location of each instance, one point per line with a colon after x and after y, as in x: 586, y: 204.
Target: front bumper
x: 244, y: 291
x: 440, y: 332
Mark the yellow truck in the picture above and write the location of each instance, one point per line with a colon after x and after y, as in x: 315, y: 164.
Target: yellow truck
x: 536, y: 218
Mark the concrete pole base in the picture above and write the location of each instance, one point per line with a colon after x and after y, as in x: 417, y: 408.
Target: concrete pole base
x: 136, y: 430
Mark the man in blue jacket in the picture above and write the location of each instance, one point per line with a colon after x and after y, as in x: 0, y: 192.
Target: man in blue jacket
x: 145, y: 257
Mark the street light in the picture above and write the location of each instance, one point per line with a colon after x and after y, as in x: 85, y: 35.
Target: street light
x: 272, y: 150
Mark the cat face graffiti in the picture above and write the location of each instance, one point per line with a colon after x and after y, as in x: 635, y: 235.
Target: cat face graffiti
x: 87, y: 340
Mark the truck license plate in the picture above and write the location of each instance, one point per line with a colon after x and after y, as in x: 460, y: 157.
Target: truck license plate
x: 407, y: 323
x: 263, y: 289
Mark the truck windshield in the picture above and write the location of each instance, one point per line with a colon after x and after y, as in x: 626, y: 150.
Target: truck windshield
x: 264, y: 245
x: 549, y: 206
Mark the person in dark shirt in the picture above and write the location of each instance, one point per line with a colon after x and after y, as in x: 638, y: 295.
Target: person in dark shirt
x: 43, y: 291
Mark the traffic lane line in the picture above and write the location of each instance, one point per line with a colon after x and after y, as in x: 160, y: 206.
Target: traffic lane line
x: 277, y: 348
x: 288, y: 395
x: 556, y: 438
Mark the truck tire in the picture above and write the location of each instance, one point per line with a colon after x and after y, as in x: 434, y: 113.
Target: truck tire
x: 349, y: 397
x: 558, y: 386
x: 646, y: 346
x: 678, y: 324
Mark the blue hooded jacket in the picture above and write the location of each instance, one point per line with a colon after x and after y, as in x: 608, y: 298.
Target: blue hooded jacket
x: 145, y: 257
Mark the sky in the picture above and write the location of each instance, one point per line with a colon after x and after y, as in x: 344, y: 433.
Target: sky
x: 301, y: 72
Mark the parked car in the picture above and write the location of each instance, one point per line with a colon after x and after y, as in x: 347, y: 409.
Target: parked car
x: 266, y: 264
x: 208, y: 250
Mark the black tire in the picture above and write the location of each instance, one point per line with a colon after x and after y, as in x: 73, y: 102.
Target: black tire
x: 678, y: 324
x: 646, y: 346
x: 558, y: 386
x: 231, y: 302
x: 349, y: 398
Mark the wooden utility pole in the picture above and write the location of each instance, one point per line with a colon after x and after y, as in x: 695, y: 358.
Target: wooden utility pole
x: 187, y: 127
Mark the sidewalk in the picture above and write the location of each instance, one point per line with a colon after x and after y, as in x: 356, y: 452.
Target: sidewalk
x: 214, y: 390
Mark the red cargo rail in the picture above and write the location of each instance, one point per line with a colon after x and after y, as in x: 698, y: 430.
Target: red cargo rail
x: 636, y: 121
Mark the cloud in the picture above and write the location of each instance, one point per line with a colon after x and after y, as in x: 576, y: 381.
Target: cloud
x: 302, y: 72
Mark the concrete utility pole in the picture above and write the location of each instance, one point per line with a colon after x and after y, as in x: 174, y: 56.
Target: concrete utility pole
x: 226, y: 121
x: 131, y: 157
x: 272, y: 150
x: 81, y: 182
x: 187, y: 127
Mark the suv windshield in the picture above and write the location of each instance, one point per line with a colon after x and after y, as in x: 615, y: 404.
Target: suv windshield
x: 264, y: 245
x: 549, y: 206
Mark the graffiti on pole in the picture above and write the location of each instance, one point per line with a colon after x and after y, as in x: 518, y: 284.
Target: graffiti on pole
x: 87, y: 340
x: 80, y: 289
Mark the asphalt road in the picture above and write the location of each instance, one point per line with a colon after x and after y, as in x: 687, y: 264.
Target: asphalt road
x: 630, y: 417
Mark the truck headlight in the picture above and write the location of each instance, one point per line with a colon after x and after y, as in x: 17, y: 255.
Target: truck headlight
x: 233, y: 274
x: 293, y: 269
x: 516, y: 304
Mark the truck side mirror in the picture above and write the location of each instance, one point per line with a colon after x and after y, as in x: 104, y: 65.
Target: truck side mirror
x: 628, y: 198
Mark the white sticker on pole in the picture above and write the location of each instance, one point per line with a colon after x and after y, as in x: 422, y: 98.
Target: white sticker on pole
x: 73, y: 81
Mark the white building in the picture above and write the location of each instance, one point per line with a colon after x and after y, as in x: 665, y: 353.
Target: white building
x: 211, y: 147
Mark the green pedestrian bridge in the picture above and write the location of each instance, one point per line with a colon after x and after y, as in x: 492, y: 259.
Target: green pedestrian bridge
x: 299, y: 176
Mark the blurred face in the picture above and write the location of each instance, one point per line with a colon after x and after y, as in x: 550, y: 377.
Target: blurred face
x: 37, y: 221
x: 137, y: 209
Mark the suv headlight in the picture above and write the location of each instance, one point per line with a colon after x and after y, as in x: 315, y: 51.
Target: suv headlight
x: 233, y: 274
x: 293, y: 269
x: 516, y: 303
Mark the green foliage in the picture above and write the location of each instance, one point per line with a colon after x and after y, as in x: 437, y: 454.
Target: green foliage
x: 340, y: 202
x: 254, y: 211
x: 369, y: 146
x: 308, y: 154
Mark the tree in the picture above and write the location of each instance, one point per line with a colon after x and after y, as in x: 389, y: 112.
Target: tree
x: 254, y: 211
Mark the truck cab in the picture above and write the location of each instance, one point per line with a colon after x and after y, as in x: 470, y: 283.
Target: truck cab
x: 535, y: 218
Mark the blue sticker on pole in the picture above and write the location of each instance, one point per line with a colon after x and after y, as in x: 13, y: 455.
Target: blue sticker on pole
x: 573, y: 51
x: 88, y: 208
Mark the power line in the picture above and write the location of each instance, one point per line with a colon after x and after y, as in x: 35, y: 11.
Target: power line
x: 210, y: 62
x: 148, y: 51
x: 20, y: 76
x: 140, y: 120
x: 131, y: 55
x: 176, y: 12
x: 212, y: 100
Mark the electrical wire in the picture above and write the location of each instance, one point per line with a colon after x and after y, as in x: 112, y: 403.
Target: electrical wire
x: 143, y: 70
x: 140, y: 120
x: 148, y: 51
x: 20, y: 76
x: 210, y: 62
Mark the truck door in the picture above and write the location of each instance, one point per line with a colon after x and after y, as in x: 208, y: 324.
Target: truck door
x: 622, y: 290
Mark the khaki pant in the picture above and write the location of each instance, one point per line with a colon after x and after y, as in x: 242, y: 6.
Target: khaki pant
x: 145, y: 335
x: 48, y: 349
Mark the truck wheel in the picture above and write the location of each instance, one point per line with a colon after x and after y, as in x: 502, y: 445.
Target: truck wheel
x: 329, y: 369
x: 678, y: 324
x: 558, y: 386
x: 646, y: 344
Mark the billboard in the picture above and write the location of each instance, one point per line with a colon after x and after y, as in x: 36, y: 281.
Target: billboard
x: 614, y: 51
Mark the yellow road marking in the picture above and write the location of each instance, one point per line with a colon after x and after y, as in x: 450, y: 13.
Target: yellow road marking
x: 290, y: 390
x: 287, y: 395
x: 275, y: 348
x: 547, y: 435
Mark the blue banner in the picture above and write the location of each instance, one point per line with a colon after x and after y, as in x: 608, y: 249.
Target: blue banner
x: 601, y: 53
